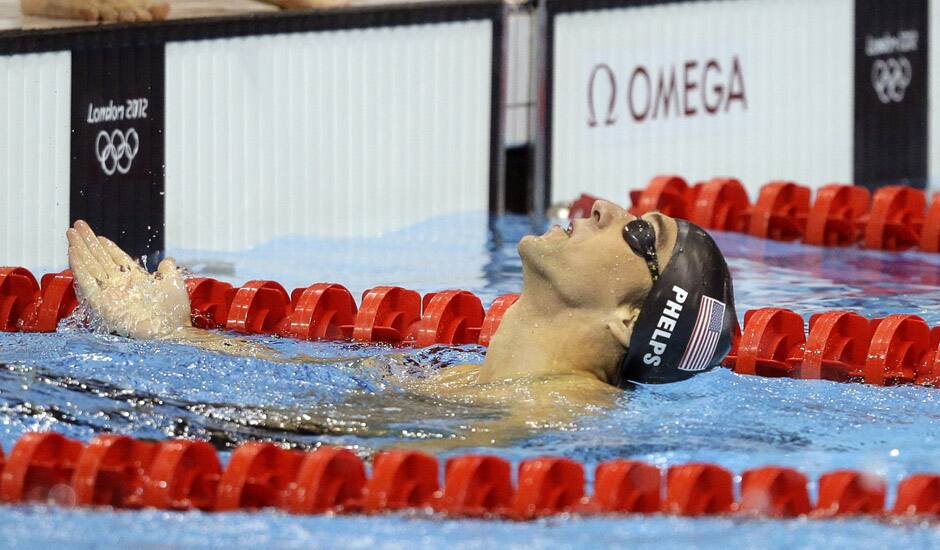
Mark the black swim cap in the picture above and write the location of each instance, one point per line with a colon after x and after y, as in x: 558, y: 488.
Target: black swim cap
x: 688, y: 318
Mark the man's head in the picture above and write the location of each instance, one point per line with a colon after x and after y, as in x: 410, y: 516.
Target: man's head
x: 589, y: 265
x: 594, y: 283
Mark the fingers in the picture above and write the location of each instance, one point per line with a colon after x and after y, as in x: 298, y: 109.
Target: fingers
x: 87, y: 285
x: 117, y: 255
x: 93, y: 10
x: 140, y: 14
x: 160, y: 11
x: 103, y: 259
x: 84, y: 260
x: 85, y: 268
x: 168, y: 268
x: 106, y: 11
x: 130, y: 11
x: 86, y: 10
x: 126, y: 15
x: 94, y: 246
x: 60, y: 9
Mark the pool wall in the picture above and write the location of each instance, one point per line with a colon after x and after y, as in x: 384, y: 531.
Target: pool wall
x: 223, y: 133
x: 808, y: 91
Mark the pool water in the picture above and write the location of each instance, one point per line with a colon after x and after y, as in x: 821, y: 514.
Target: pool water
x: 82, y: 383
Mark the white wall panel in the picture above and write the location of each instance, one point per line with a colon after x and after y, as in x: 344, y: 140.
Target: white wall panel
x: 520, y: 97
x: 35, y: 110
x: 343, y: 133
x: 796, y: 62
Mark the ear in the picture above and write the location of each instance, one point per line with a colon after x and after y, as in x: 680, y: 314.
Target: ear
x: 621, y: 325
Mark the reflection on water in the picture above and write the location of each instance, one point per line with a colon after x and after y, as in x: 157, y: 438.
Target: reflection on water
x: 810, y: 279
x: 83, y: 383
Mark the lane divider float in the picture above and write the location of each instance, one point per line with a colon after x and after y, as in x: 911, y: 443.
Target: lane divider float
x: 775, y: 342
x: 126, y: 473
x: 840, y: 345
x: 26, y: 305
x: 321, y: 311
x: 894, y: 217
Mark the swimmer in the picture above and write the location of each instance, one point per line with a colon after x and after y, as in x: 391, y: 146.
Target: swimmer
x: 610, y: 301
x: 135, y: 10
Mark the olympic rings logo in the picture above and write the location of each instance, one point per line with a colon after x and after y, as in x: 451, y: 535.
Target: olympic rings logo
x: 116, y: 151
x: 890, y: 78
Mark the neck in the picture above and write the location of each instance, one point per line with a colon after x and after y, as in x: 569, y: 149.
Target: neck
x: 541, y: 337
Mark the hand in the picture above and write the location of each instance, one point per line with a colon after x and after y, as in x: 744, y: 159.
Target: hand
x: 126, y: 299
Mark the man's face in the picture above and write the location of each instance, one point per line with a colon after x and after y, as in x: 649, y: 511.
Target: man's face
x: 590, y: 264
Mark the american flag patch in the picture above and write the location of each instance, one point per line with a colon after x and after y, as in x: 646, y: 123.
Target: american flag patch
x: 705, y: 335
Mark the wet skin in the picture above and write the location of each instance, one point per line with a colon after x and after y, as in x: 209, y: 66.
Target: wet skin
x: 552, y: 360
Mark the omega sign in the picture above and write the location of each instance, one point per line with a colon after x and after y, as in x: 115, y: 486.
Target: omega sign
x: 689, y: 89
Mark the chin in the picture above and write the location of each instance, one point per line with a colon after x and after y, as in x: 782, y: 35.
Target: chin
x: 526, y: 243
x: 532, y: 248
x: 538, y: 255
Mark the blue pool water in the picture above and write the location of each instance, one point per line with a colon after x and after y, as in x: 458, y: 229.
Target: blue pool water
x: 81, y: 383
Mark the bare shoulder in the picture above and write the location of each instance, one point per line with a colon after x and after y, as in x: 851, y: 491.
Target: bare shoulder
x: 576, y: 388
x: 456, y: 381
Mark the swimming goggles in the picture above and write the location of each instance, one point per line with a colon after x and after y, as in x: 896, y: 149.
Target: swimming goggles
x: 640, y: 236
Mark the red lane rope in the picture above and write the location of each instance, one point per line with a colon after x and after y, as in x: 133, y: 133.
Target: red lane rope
x: 126, y: 473
x: 26, y: 305
x: 895, y: 217
x: 321, y: 311
x: 839, y: 345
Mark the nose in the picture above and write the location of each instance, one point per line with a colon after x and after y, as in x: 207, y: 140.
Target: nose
x: 605, y: 212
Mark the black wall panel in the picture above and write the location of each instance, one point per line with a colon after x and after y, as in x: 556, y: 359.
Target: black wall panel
x: 891, y: 92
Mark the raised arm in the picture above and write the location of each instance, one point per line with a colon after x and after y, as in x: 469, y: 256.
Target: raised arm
x: 125, y: 299
x: 123, y: 296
